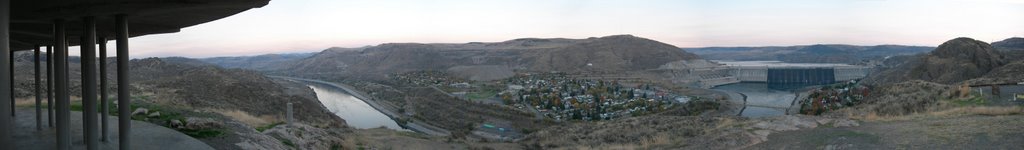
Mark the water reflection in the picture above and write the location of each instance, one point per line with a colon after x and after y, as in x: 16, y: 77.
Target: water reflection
x: 356, y: 113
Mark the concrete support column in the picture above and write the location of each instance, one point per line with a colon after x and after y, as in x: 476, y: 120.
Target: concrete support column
x: 49, y: 84
x: 6, y: 122
x: 289, y: 116
x: 104, y: 100
x: 61, y: 86
x: 38, y: 93
x: 11, y: 79
x: 89, y: 113
x: 123, y: 97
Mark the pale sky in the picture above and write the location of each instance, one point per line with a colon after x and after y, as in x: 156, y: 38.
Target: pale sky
x: 289, y: 26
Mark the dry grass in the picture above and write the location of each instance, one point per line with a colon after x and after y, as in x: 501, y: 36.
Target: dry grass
x: 248, y: 119
x: 951, y: 112
x: 31, y: 101
x: 659, y: 139
x: 980, y: 110
x: 648, y: 143
x: 874, y: 116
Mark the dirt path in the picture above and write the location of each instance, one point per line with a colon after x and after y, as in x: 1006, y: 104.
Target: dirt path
x: 965, y: 132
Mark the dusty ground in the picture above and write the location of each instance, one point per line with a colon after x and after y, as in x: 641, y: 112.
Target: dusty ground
x: 963, y: 132
x: 380, y: 138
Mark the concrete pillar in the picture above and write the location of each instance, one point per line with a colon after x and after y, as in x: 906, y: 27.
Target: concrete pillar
x: 89, y: 113
x: 49, y: 84
x: 104, y: 100
x: 38, y: 93
x: 6, y: 122
x: 10, y: 72
x: 289, y: 115
x: 60, y: 84
x: 123, y: 97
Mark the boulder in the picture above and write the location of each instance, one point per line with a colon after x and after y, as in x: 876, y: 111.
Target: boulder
x: 845, y: 123
x: 194, y: 123
x: 154, y: 114
x: 140, y: 111
x: 176, y: 124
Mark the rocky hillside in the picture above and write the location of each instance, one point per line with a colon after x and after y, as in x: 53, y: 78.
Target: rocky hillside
x: 216, y: 89
x: 820, y: 53
x: 191, y: 83
x: 1009, y: 73
x: 1014, y: 43
x: 496, y: 60
x: 1012, y: 48
x: 954, y: 61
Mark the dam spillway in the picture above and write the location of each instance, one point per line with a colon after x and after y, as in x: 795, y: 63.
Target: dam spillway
x: 786, y: 78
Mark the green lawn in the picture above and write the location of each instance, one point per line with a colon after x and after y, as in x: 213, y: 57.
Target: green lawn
x: 481, y: 95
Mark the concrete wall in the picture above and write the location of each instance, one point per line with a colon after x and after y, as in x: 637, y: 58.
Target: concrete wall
x: 710, y: 83
x: 751, y: 74
x: 846, y: 73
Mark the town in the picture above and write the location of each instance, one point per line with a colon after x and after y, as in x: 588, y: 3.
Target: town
x: 563, y: 98
x: 554, y: 95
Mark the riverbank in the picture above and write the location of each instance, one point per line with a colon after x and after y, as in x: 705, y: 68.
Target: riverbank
x: 411, y: 125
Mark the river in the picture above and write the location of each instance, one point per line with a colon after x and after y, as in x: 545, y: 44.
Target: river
x: 356, y: 112
x: 761, y: 101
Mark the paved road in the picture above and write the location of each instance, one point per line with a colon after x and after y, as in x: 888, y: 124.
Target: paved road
x: 145, y: 135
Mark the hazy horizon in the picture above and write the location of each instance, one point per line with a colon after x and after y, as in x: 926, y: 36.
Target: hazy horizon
x: 298, y: 26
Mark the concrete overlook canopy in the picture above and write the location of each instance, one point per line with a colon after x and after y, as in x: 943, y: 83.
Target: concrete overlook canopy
x: 32, y: 20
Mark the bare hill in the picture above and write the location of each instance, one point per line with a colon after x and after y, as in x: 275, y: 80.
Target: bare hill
x: 1009, y: 73
x: 258, y: 62
x: 1010, y: 44
x: 213, y: 88
x: 819, y: 53
x: 184, y: 82
x: 954, y: 61
x: 495, y: 60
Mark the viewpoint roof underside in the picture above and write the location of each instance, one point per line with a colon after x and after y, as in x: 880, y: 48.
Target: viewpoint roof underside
x: 32, y: 20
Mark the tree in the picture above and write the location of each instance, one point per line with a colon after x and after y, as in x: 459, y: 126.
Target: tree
x: 558, y: 103
x: 507, y: 99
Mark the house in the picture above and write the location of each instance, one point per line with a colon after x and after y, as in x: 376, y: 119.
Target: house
x: 515, y: 87
x: 459, y: 94
x: 460, y: 85
x: 682, y: 99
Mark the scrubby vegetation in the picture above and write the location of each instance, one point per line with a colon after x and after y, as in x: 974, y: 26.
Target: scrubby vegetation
x: 832, y: 97
x: 436, y: 108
